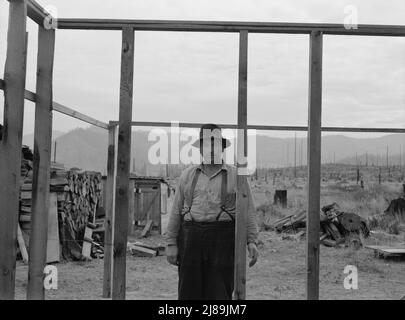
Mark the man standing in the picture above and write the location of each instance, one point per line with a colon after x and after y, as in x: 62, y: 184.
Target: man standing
x: 201, y: 228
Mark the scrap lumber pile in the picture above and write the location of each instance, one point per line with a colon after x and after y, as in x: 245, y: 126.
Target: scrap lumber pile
x: 337, y: 227
x: 77, y: 197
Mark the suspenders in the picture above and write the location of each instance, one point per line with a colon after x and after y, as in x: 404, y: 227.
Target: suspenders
x: 224, y: 191
x: 189, y: 196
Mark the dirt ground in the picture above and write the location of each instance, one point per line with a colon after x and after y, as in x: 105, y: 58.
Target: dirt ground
x: 278, y: 274
x: 280, y: 271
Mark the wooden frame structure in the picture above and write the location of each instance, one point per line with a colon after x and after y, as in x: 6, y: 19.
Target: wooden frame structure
x: 119, y: 142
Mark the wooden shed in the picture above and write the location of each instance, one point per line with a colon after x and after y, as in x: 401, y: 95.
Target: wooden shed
x: 148, y: 199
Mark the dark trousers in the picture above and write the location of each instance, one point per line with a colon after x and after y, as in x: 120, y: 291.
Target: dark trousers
x: 206, y: 260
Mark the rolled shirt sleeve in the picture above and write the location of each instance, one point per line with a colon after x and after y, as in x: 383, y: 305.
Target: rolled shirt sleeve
x: 252, y: 227
x: 174, y: 217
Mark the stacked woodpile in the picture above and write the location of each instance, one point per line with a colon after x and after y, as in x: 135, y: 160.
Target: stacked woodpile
x: 337, y: 227
x: 25, y: 194
x: 79, y: 196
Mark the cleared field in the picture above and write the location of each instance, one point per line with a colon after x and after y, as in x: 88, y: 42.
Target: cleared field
x: 279, y: 273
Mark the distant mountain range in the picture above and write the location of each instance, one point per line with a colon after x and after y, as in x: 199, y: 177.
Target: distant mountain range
x: 87, y: 149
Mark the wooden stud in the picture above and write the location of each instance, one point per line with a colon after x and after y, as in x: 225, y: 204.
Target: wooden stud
x: 42, y: 164
x: 131, y: 207
x: 123, y: 165
x: 314, y: 164
x: 242, y: 192
x: 109, y: 214
x: 21, y: 244
x: 10, y: 144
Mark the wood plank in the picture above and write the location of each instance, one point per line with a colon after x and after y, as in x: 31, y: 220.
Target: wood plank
x: 109, y: 213
x: 88, y: 234
x: 265, y: 127
x: 142, y: 251
x: 230, y: 26
x: 314, y: 167
x: 58, y: 107
x: 21, y: 245
x: 78, y: 115
x: 131, y: 207
x: 388, y: 250
x: 86, y: 248
x: 147, y: 228
x: 53, y: 244
x: 36, y: 12
x: 123, y: 165
x: 42, y: 163
x: 160, y: 249
x: 241, y: 180
x: 10, y: 144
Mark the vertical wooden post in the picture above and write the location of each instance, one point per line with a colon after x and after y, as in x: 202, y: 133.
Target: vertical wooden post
x: 123, y: 164
x: 109, y: 205
x: 42, y: 162
x: 314, y: 164
x: 242, y: 197
x: 10, y: 144
x: 131, y: 209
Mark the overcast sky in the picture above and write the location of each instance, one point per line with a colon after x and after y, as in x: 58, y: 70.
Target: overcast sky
x: 193, y: 76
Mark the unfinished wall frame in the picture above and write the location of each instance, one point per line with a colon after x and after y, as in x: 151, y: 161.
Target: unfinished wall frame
x: 118, y: 163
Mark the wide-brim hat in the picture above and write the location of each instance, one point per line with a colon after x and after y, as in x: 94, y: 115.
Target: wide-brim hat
x: 209, y: 131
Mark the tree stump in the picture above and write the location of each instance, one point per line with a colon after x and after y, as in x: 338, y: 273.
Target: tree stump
x: 280, y: 197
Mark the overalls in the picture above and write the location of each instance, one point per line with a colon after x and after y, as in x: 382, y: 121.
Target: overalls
x: 206, y: 252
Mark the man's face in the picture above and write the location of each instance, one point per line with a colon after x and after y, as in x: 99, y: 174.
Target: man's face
x: 211, y: 151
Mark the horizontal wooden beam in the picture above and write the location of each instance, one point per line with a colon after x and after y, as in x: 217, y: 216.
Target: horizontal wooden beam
x: 264, y: 127
x: 70, y: 112
x: 36, y: 12
x: 31, y: 96
x: 77, y: 115
x: 231, y: 26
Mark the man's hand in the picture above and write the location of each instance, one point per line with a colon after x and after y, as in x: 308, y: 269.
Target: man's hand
x: 171, y: 253
x: 253, y: 253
